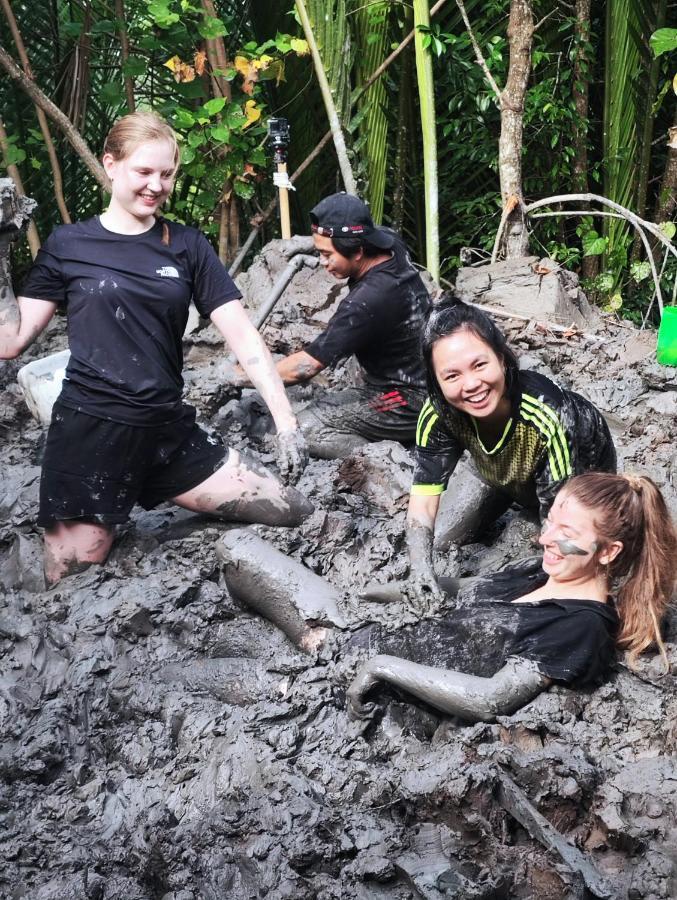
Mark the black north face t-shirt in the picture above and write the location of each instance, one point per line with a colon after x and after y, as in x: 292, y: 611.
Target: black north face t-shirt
x: 127, y: 300
x: 380, y: 322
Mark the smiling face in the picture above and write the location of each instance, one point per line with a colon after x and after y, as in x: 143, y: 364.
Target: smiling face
x: 142, y: 181
x: 572, y: 549
x: 470, y: 375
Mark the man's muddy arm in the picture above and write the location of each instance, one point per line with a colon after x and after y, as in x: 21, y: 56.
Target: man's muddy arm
x: 21, y: 321
x: 298, y: 367
x: 468, y: 696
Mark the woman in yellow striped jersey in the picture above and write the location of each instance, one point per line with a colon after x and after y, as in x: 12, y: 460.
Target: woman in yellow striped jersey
x: 525, y: 435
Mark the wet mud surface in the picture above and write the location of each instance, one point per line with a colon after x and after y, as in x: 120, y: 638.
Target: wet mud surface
x: 159, y: 741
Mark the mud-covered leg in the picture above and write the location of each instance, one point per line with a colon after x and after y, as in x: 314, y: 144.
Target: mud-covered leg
x: 327, y: 440
x: 281, y: 589
x: 242, y: 490
x: 468, y: 696
x: 467, y: 508
x: 71, y: 547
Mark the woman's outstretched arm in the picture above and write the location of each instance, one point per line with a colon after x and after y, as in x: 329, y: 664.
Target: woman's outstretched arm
x: 468, y: 696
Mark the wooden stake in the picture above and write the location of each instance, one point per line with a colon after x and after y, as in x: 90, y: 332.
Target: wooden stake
x: 285, y: 222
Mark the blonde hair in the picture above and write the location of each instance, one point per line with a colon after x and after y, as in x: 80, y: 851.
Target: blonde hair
x: 137, y: 128
x: 631, y: 509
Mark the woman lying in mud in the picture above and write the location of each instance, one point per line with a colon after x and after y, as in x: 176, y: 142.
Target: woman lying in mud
x: 525, y: 435
x: 513, y: 634
x: 120, y: 433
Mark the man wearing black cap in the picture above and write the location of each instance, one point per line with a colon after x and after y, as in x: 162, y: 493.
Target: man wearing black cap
x: 379, y: 322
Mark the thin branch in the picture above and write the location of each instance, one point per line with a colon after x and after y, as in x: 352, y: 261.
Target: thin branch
x: 124, y: 51
x: 478, y: 53
x: 42, y: 118
x: 73, y: 136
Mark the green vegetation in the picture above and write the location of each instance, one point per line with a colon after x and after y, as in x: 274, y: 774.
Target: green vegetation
x: 597, y: 113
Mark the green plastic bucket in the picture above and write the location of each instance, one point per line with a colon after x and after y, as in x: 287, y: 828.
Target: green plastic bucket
x: 666, y: 350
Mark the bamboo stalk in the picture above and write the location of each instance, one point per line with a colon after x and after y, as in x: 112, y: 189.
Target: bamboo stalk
x: 424, y: 71
x: 329, y: 105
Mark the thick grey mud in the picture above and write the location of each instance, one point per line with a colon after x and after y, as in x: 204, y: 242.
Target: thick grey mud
x: 163, y: 741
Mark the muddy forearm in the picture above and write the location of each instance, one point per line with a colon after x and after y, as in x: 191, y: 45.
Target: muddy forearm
x: 419, y: 539
x: 468, y: 696
x: 298, y: 367
x: 10, y: 317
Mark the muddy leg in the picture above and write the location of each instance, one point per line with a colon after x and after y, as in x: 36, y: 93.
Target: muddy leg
x: 245, y: 491
x: 325, y: 441
x: 73, y: 546
x: 279, y: 588
x: 468, y: 506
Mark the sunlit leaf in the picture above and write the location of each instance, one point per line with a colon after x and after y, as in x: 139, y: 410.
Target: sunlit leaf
x: 212, y: 107
x: 252, y: 113
x: 669, y: 229
x: 212, y: 27
x: 299, y: 46
x: 663, y: 41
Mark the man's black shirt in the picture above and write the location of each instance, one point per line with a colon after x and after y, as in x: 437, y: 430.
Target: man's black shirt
x: 380, y: 321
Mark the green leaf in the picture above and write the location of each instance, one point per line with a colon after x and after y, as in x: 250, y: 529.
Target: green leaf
x: 669, y: 229
x: 604, y: 282
x: 134, y: 67
x: 195, y: 138
x: 35, y: 163
x: 211, y: 27
x: 212, y: 107
x: 183, y: 118
x: 244, y: 189
x: 593, y: 244
x: 72, y: 29
x: 104, y: 26
x: 663, y: 41
x: 14, y: 155
x: 220, y: 134
x: 111, y: 93
x: 639, y: 271
x: 160, y: 13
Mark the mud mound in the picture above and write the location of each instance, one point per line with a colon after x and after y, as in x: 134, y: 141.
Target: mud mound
x: 160, y: 742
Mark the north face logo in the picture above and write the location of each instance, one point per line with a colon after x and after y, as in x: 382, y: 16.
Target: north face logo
x: 167, y: 272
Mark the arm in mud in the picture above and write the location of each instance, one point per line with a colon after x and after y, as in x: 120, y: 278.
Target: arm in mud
x: 470, y: 697
x: 293, y: 369
x: 421, y: 586
x: 248, y: 345
x: 21, y: 321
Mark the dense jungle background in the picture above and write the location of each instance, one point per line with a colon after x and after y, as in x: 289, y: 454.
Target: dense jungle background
x: 594, y: 115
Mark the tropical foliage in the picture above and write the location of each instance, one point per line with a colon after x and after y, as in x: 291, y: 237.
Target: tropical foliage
x: 599, y: 105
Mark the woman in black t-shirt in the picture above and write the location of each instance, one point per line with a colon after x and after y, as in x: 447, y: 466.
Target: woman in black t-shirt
x: 524, y: 434
x: 120, y: 432
x: 509, y: 636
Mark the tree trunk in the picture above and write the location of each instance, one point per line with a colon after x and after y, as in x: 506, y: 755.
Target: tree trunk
x: 520, y: 36
x: 15, y: 175
x: 580, y: 90
x: 666, y: 201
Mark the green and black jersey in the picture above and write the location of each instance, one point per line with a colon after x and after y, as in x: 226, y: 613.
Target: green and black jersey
x: 552, y: 434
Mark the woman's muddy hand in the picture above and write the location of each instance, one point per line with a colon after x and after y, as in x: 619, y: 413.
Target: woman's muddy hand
x: 421, y: 592
x: 292, y: 454
x: 363, y: 682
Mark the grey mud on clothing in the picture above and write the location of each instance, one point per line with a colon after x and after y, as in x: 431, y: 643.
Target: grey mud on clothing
x: 343, y: 420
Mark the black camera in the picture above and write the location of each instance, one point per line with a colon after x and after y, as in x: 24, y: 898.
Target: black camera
x: 278, y: 131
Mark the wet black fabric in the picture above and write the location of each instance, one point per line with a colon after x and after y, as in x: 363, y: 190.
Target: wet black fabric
x: 127, y: 299
x: 571, y: 641
x: 552, y: 435
x: 380, y: 321
x: 96, y: 469
x: 372, y: 413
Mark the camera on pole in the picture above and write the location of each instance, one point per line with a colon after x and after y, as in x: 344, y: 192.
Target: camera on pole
x: 278, y: 132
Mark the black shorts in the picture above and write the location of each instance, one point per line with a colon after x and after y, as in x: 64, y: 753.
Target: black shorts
x: 96, y: 470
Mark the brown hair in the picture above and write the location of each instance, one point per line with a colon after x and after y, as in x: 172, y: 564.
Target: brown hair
x: 137, y: 128
x: 631, y: 509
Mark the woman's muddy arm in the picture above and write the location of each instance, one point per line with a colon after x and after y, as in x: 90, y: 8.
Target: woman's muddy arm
x: 468, y: 696
x: 422, y: 586
x: 21, y: 321
x: 254, y: 357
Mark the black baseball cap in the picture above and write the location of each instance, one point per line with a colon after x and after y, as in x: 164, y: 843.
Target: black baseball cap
x: 345, y: 215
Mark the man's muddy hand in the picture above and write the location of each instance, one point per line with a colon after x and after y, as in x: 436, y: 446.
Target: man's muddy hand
x: 292, y: 454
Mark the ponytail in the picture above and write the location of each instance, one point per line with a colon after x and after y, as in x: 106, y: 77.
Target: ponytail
x: 631, y: 509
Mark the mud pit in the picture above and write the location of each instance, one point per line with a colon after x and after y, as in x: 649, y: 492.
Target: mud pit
x: 161, y: 742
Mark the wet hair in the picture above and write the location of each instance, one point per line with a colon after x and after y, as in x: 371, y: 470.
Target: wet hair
x: 349, y: 246
x: 137, y: 128
x: 449, y: 315
x: 631, y: 509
